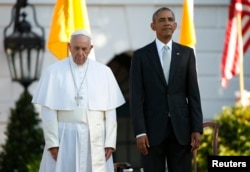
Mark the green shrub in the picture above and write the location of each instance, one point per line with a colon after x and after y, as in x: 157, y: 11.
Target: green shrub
x: 24, y: 144
x: 234, y: 137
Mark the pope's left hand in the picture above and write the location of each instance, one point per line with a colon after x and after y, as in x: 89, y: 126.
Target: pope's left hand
x: 108, y: 152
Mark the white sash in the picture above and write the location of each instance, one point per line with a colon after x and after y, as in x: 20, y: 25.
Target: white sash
x: 74, y: 116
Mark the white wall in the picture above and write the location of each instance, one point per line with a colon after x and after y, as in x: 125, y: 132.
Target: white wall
x: 123, y: 25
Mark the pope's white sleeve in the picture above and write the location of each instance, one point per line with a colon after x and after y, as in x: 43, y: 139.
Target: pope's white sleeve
x: 110, y: 128
x: 50, y: 127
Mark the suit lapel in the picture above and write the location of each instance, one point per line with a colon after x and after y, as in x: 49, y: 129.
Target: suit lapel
x: 155, y: 60
x: 175, y: 61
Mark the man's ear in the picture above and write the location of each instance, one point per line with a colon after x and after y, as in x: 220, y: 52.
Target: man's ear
x: 152, y: 26
x: 175, y: 25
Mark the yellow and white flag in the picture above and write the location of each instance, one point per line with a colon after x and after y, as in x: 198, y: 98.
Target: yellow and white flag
x: 68, y: 16
x: 187, y: 31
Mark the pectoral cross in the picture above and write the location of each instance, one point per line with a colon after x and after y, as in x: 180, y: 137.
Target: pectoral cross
x: 78, y: 98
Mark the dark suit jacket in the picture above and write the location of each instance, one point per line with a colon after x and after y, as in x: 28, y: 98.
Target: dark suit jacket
x: 151, y: 98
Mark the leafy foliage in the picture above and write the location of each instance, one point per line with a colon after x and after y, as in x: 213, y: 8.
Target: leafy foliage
x: 234, y: 137
x: 24, y: 145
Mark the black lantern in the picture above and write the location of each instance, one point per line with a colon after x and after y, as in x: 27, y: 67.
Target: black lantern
x: 23, y: 47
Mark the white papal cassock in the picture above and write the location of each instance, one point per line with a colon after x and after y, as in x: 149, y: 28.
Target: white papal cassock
x: 80, y: 131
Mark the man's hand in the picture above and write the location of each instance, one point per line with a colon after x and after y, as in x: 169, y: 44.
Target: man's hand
x: 54, y: 152
x: 142, y: 144
x: 195, y: 140
x: 108, y: 152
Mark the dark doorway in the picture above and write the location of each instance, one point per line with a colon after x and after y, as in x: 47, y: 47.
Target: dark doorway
x: 126, y: 150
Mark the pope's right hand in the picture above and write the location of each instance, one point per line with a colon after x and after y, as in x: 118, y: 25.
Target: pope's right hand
x: 54, y: 152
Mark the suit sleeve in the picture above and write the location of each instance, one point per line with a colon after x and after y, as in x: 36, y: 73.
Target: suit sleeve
x: 136, y: 95
x: 194, y: 96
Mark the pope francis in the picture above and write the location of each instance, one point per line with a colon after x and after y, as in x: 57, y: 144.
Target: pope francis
x: 78, y: 98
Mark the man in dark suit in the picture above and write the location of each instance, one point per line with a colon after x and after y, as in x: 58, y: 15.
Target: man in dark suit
x: 166, y: 110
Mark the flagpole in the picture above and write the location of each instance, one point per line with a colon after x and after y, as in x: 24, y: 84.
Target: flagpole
x: 240, y: 49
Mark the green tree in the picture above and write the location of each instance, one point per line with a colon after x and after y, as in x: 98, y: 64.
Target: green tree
x: 23, y: 148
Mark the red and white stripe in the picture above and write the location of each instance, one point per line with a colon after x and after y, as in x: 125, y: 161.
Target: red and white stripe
x: 232, y: 47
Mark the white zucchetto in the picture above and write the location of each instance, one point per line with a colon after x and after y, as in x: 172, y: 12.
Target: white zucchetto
x: 81, y: 32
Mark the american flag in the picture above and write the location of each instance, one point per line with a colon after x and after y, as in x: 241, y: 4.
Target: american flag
x: 233, y: 46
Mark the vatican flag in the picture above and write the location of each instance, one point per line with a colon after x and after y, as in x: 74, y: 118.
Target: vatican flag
x: 68, y: 16
x: 187, y: 31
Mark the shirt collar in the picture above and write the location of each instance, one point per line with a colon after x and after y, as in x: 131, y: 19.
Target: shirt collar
x: 160, y: 45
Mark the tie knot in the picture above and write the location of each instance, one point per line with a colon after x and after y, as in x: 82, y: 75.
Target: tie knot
x: 165, y: 48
